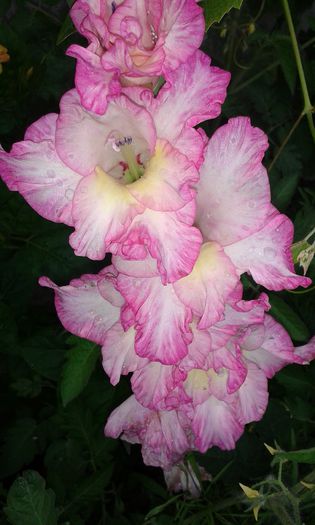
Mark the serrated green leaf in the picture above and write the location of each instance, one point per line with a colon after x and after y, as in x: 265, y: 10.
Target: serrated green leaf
x: 283, y: 313
x: 19, y: 446
x: 29, y: 503
x: 301, y: 456
x: 214, y: 10
x: 78, y: 368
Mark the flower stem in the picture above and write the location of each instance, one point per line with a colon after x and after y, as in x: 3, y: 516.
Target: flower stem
x: 308, y: 108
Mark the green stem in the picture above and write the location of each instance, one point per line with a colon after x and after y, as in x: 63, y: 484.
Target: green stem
x: 308, y: 108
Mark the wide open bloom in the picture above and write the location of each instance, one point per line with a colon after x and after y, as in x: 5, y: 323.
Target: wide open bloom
x: 122, y: 179
x: 131, y: 42
x: 234, y: 208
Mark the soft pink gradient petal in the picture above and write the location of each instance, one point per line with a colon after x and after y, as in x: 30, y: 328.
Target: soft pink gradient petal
x: 215, y: 424
x: 82, y: 309
x: 266, y: 255
x: 119, y: 357
x: 85, y: 140
x: 95, y: 85
x: 206, y: 289
x: 306, y: 352
x: 152, y: 383
x: 102, y: 210
x: 34, y: 169
x: 162, y: 321
x: 129, y: 420
x: 177, y: 107
x: 233, y: 198
x: 166, y: 184
x: 274, y: 352
x: 252, y: 396
x: 182, y: 25
x: 169, y: 239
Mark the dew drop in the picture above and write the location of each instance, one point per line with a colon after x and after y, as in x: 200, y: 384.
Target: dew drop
x: 98, y: 318
x: 59, y: 182
x: 251, y: 204
x: 233, y: 139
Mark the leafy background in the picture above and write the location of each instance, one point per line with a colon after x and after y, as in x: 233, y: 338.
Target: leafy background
x: 56, y: 467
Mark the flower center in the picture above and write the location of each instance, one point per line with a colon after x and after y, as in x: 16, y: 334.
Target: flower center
x: 133, y: 170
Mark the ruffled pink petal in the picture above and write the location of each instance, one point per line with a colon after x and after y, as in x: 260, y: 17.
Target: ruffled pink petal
x: 266, y: 255
x: 162, y: 321
x: 188, y: 107
x: 198, y: 349
x: 182, y: 26
x: 165, y: 440
x: 82, y: 309
x: 152, y: 383
x: 119, y: 357
x: 206, y: 289
x: 306, y: 352
x: 175, y: 244
x: 252, y: 396
x: 102, y: 210
x: 85, y: 140
x: 233, y: 198
x: 215, y: 424
x: 94, y: 84
x: 274, y: 352
x: 34, y: 169
x: 166, y: 184
x: 129, y: 420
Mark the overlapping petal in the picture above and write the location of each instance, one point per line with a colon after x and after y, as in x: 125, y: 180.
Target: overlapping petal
x: 83, y: 310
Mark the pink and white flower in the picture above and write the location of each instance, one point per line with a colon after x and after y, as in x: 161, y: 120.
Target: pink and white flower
x: 122, y: 179
x: 234, y: 208
x: 131, y: 42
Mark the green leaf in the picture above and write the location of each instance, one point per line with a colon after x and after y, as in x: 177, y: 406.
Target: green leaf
x: 67, y: 29
x: 283, y: 313
x: 29, y: 503
x: 19, y: 447
x: 285, y: 54
x: 214, y: 10
x: 301, y: 456
x: 78, y: 368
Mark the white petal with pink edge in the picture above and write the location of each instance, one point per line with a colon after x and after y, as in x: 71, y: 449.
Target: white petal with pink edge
x: 35, y: 170
x: 252, y: 396
x: 206, y: 289
x: 166, y: 184
x: 153, y: 382
x: 119, y: 357
x: 215, y: 424
x: 82, y: 309
x: 273, y: 352
x: 169, y: 239
x: 84, y: 140
x: 102, y: 210
x: 162, y: 320
x: 266, y: 255
x: 233, y: 195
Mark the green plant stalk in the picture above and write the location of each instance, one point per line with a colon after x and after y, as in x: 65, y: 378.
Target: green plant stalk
x: 308, y: 108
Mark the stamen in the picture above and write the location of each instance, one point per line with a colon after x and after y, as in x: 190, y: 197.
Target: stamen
x: 153, y: 33
x: 114, y: 7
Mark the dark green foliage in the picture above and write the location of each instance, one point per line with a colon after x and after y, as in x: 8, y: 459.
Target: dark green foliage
x: 55, y: 397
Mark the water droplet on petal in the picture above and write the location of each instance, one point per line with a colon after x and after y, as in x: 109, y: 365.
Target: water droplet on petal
x: 60, y: 182
x: 251, y: 204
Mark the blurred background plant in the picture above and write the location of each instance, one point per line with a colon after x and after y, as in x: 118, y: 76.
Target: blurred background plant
x: 56, y: 467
